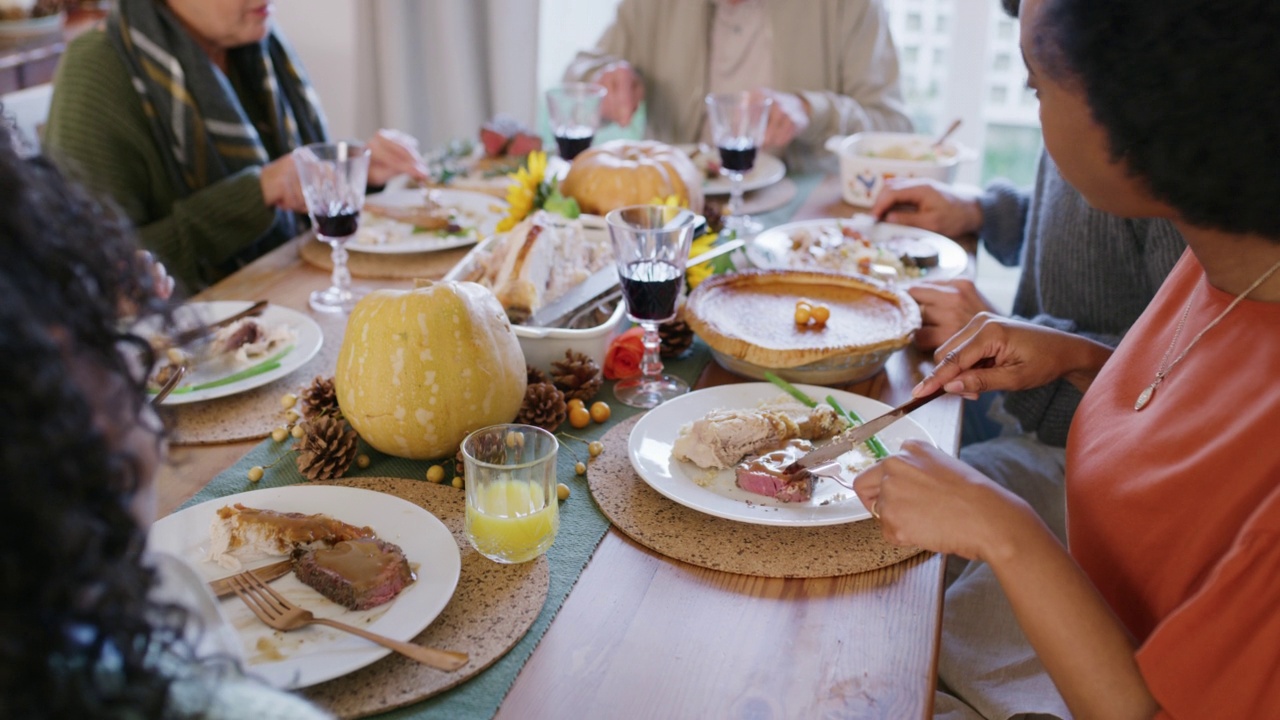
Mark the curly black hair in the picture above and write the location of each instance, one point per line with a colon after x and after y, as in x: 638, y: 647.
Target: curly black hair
x: 1185, y: 92
x: 78, y: 636
x: 1011, y: 7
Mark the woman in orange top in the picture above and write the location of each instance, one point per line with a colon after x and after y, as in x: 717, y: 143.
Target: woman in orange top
x: 1166, y: 603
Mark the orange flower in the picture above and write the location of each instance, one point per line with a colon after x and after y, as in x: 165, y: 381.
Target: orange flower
x: 622, y: 359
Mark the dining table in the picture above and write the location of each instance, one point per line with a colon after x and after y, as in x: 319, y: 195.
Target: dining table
x: 640, y: 635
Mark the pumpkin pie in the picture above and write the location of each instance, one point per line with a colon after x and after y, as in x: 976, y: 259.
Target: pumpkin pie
x: 750, y: 316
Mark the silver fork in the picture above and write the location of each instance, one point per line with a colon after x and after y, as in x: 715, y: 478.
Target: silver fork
x: 276, y: 612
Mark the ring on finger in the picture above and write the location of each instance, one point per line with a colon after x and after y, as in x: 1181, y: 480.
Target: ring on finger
x: 875, y: 513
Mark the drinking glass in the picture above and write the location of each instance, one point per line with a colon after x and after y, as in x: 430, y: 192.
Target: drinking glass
x: 738, y: 122
x: 512, y: 509
x: 574, y: 109
x: 333, y: 179
x: 650, y: 246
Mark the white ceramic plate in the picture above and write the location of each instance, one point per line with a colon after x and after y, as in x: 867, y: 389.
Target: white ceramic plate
x: 307, y: 344
x: 772, y: 249
x: 31, y: 26
x: 314, y: 654
x: 768, y: 170
x: 479, y: 215
x: 715, y: 492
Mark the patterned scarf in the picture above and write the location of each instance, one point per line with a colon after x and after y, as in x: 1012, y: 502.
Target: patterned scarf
x: 194, y: 109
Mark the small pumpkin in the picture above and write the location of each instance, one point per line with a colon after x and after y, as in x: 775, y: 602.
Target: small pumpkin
x: 420, y: 369
x: 632, y: 172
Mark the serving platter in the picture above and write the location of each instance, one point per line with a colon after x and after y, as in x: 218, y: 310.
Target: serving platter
x: 478, y: 215
x: 715, y: 492
x: 316, y: 653
x: 775, y: 248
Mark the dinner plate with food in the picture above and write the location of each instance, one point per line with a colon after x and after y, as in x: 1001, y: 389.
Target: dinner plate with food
x: 361, y: 557
x: 415, y: 220
x: 721, y: 451
x: 860, y: 245
x: 233, y: 358
x: 768, y: 169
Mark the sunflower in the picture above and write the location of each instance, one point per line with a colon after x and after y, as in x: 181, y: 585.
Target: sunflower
x: 697, y: 273
x: 524, y: 190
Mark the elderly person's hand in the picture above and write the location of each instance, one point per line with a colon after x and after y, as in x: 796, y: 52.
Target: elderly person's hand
x: 788, y: 118
x: 393, y: 153
x: 624, y: 92
x: 946, y: 307
x: 281, y: 187
x: 926, y: 498
x: 928, y: 204
x: 1025, y: 355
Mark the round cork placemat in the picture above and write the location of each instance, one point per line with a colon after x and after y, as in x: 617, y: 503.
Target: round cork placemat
x: 493, y: 607
x: 409, y: 266
x: 253, y: 414
x: 678, y: 532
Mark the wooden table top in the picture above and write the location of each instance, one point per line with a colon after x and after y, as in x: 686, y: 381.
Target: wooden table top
x: 641, y: 635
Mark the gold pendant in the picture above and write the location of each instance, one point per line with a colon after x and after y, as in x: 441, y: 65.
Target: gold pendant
x: 1145, y: 396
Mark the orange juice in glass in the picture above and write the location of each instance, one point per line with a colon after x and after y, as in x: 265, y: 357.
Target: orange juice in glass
x: 512, y: 511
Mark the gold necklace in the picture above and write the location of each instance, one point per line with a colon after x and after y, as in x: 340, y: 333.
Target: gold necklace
x: 1148, y: 392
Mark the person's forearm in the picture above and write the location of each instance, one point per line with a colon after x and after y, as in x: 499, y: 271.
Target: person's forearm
x: 1084, y: 361
x: 1085, y: 648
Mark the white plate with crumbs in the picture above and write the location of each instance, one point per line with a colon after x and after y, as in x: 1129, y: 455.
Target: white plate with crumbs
x: 315, y: 653
x: 715, y: 492
x: 474, y: 216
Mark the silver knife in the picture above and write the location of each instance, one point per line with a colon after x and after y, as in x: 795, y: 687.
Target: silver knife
x: 186, y: 337
x: 223, y: 587
x: 601, y: 282
x: 850, y: 439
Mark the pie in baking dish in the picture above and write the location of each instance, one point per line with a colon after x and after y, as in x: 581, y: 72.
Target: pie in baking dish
x: 750, y: 316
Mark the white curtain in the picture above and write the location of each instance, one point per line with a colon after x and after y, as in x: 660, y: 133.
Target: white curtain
x: 439, y: 68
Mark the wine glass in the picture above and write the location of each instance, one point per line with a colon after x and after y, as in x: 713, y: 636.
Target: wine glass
x: 333, y: 179
x: 650, y: 246
x: 574, y: 109
x: 738, y: 122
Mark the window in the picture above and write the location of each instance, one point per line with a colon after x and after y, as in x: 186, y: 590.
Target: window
x: 974, y: 74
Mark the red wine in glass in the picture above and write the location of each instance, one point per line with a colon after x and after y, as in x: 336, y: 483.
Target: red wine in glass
x: 738, y: 154
x: 573, y: 139
x: 339, y: 222
x: 651, y: 287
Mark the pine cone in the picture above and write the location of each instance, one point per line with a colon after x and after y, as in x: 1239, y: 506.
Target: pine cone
x: 544, y: 406
x: 577, y: 376
x: 320, y: 398
x: 676, y: 338
x: 486, y: 448
x: 533, y: 375
x: 327, y: 448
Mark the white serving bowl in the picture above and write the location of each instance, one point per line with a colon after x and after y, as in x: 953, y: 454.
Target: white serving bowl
x: 543, y: 346
x: 864, y: 170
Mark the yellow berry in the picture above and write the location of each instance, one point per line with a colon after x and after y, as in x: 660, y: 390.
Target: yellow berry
x: 289, y: 400
x: 292, y: 416
x: 362, y: 460
x: 576, y: 403
x: 279, y: 434
x: 435, y: 473
x: 821, y: 313
x: 255, y: 473
x: 600, y: 411
x: 580, y: 468
x: 595, y: 448
x: 514, y: 439
x: 803, y: 313
x: 297, y: 431
x: 562, y: 491
x: 457, y: 482
x: 579, y: 417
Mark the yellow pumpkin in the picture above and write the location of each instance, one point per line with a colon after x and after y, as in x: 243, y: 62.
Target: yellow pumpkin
x: 420, y: 369
x: 632, y: 172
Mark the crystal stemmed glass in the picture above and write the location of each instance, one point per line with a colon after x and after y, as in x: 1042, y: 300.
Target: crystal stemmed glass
x: 737, y: 122
x: 574, y: 109
x: 333, y: 179
x: 650, y: 246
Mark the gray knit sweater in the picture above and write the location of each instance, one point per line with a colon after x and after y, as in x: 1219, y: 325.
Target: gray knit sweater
x: 1083, y: 271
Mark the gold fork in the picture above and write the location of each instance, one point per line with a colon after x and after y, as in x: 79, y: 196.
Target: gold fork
x: 276, y: 612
